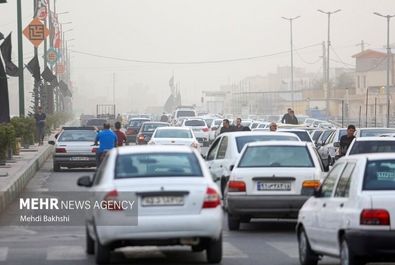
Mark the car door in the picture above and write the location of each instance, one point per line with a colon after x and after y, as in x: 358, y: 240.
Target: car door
x: 220, y: 162
x: 336, y: 208
x: 210, y: 159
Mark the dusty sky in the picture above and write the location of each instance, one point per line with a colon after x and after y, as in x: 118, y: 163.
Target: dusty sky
x: 192, y: 30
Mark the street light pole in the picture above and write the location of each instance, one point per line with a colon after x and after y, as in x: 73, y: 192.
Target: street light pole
x: 327, y: 81
x: 20, y: 61
x: 388, y: 17
x: 291, y: 19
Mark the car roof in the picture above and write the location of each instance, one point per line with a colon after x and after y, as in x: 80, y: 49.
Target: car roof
x: 278, y: 143
x: 140, y: 119
x: 81, y: 128
x: 153, y: 148
x: 374, y: 138
x: 174, y: 128
x: 246, y: 133
x: 291, y: 130
x: 376, y: 128
x: 371, y: 156
x: 156, y: 122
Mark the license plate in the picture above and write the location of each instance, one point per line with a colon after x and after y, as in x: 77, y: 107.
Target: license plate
x: 162, y: 201
x: 276, y: 186
x: 80, y: 158
x: 196, y: 130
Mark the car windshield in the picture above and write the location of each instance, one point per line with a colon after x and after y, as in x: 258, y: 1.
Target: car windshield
x: 195, y: 123
x: 380, y: 175
x: 276, y: 156
x: 173, y: 134
x: 186, y: 113
x: 217, y: 122
x: 150, y: 165
x: 303, y: 135
x: 136, y: 123
x: 152, y: 127
x: 78, y: 136
x: 96, y: 122
x: 364, y: 147
x: 208, y: 121
x: 316, y: 135
x: 375, y: 132
x: 241, y: 141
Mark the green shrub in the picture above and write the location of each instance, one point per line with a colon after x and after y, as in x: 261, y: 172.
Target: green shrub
x: 25, y: 128
x: 7, y: 139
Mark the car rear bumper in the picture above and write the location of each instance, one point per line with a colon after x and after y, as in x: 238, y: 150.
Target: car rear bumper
x: 258, y: 206
x: 75, y: 160
x: 371, y: 243
x: 131, y: 138
x: 207, y: 224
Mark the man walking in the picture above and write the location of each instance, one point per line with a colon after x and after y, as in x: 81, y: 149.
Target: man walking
x: 121, y: 137
x: 292, y: 118
x: 225, y: 127
x: 107, y: 140
x: 238, y: 126
x: 40, y: 118
x: 285, y: 118
x: 346, y: 140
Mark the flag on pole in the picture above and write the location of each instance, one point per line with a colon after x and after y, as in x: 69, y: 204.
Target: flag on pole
x: 4, y: 99
x: 34, y: 68
x: 6, y: 50
x: 47, y: 75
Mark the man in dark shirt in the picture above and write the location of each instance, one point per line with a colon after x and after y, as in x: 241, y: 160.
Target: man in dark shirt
x: 121, y: 137
x: 292, y: 118
x: 285, y: 118
x: 40, y: 117
x: 238, y: 126
x: 226, y: 127
x: 346, y: 140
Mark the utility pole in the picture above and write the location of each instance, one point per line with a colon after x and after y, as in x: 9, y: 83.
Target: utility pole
x: 36, y: 86
x: 291, y: 19
x: 388, y: 17
x: 324, y: 80
x: 20, y: 61
x: 113, y: 88
x: 328, y: 57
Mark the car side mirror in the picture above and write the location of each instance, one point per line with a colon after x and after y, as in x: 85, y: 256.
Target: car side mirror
x: 84, y: 181
x: 231, y: 167
x: 317, y: 192
x: 51, y: 142
x: 326, y: 168
x: 336, y: 144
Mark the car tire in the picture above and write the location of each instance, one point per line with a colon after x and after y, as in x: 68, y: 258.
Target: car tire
x: 347, y: 257
x: 103, y: 253
x: 90, y: 243
x: 198, y: 248
x: 233, y: 223
x: 56, y: 167
x: 306, y: 254
x: 214, y: 250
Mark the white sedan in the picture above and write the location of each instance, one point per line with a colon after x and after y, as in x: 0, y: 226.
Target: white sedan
x: 177, y: 201
x: 175, y: 136
x: 352, y: 215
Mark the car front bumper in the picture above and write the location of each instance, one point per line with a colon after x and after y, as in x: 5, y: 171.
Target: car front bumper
x: 265, y: 206
x: 372, y: 243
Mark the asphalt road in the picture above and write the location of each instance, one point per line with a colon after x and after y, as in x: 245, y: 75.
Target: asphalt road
x: 264, y: 243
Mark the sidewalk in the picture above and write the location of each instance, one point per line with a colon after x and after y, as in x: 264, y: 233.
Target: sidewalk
x: 16, y: 174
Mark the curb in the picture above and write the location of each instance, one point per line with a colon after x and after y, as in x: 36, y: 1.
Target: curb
x: 12, y: 191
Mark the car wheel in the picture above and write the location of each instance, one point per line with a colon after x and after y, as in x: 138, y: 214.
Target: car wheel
x: 347, y: 257
x: 233, y: 223
x: 90, y: 243
x: 306, y: 254
x: 56, y: 167
x: 214, y: 250
x: 103, y: 253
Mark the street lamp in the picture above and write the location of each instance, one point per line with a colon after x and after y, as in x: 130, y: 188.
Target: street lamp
x: 327, y: 57
x: 291, y: 19
x: 388, y: 17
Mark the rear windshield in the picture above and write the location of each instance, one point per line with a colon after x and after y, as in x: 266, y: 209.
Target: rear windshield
x: 276, y: 156
x: 186, y: 113
x: 136, y: 123
x: 152, y: 127
x: 173, y: 134
x: 208, y: 121
x: 157, y: 165
x: 241, y: 141
x: 303, y: 135
x: 380, y: 175
x: 78, y: 136
x: 218, y: 122
x: 195, y: 123
x: 96, y: 122
x: 364, y: 147
x: 375, y: 132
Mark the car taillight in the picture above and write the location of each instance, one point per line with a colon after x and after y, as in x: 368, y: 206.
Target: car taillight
x: 211, y: 199
x: 141, y: 138
x: 94, y: 149
x: 205, y: 129
x: 375, y: 217
x: 311, y: 184
x: 236, y: 186
x: 111, y: 202
x: 60, y: 150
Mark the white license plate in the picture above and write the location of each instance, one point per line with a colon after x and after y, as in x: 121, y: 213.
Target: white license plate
x: 276, y: 186
x: 78, y: 158
x: 196, y: 130
x: 162, y: 201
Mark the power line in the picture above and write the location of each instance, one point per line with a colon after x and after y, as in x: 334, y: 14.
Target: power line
x: 191, y: 62
x: 305, y: 61
x: 340, y: 59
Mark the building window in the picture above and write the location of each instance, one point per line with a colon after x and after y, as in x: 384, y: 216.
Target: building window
x: 358, y: 81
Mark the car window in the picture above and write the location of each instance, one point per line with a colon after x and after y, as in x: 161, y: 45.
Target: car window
x: 96, y: 122
x: 343, y: 185
x: 364, y: 147
x: 136, y: 123
x: 241, y: 141
x: 195, y: 123
x: 380, y: 175
x: 186, y: 113
x: 375, y: 132
x: 77, y: 136
x: 173, y: 134
x: 303, y: 135
x: 213, y: 150
x: 97, y: 177
x: 330, y: 181
x: 152, y: 127
x: 147, y: 165
x: 222, y: 148
x: 276, y: 156
x: 325, y: 136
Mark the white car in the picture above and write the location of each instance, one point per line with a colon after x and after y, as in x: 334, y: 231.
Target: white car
x: 177, y: 202
x: 271, y: 180
x: 366, y: 145
x: 352, y: 215
x: 304, y: 135
x: 199, y: 128
x: 226, y: 148
x: 371, y: 132
x: 213, y: 128
x: 174, y: 136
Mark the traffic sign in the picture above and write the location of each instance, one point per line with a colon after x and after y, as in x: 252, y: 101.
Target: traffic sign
x: 59, y: 68
x: 36, y: 32
x: 42, y: 13
x: 52, y: 56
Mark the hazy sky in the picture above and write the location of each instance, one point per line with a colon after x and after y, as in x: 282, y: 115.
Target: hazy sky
x: 197, y: 30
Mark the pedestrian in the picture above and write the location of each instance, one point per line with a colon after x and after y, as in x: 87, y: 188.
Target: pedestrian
x: 226, y: 127
x: 286, y: 116
x: 238, y: 126
x: 107, y: 140
x: 292, y: 118
x: 346, y: 140
x: 121, y: 137
x: 164, y: 118
x: 273, y: 127
x: 40, y: 118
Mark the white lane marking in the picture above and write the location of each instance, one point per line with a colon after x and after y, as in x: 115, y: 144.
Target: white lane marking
x: 3, y: 253
x: 66, y: 253
x: 230, y: 251
x: 288, y: 248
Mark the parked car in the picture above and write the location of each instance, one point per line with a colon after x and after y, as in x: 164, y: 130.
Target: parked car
x: 73, y: 148
x: 174, y: 136
x: 351, y: 215
x: 366, y: 145
x: 147, y: 129
x: 215, y: 125
x: 328, y: 152
x: 271, y: 180
x: 133, y: 128
x: 199, y: 128
x: 369, y: 132
x: 178, y: 202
